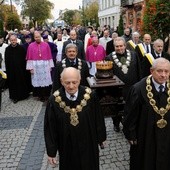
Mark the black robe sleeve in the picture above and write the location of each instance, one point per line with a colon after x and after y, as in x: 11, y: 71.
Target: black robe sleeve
x: 84, y: 74
x: 49, y: 130
x: 56, y: 79
x: 131, y: 113
x: 100, y: 124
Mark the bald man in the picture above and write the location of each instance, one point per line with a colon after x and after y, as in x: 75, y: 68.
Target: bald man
x: 15, y: 64
x: 40, y: 63
x: 74, y: 125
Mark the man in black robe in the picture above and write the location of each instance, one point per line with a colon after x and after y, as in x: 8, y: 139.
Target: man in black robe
x: 70, y: 61
x: 74, y: 125
x: 15, y: 63
x: 146, y: 123
x: 144, y: 47
x: 27, y: 39
x: 127, y: 68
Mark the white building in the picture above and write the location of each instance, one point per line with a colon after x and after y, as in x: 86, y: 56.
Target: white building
x: 109, y: 12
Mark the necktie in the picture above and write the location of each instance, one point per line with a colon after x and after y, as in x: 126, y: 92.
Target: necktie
x: 72, y: 97
x: 72, y: 63
x: 147, y: 48
x: 158, y: 56
x: 161, y: 88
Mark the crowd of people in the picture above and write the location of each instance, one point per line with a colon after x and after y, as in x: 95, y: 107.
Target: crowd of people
x: 54, y: 65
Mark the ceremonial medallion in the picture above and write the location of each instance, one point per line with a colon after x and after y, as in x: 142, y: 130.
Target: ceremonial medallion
x: 79, y: 64
x: 124, y: 69
x: 73, y: 111
x: 124, y: 63
x: 161, y: 123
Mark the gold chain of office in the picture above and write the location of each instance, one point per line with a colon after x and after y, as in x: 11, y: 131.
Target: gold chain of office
x: 73, y: 111
x: 161, y: 123
x: 124, y: 65
x: 79, y: 64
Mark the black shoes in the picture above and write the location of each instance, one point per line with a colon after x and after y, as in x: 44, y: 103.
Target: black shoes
x: 42, y: 99
x: 15, y: 101
x: 116, y: 128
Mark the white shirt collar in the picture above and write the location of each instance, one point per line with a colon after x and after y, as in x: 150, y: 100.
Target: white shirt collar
x: 157, y: 54
x: 73, y: 60
x: 157, y: 85
x: 68, y: 95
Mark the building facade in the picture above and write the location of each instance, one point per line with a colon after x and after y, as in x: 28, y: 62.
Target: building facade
x: 85, y: 3
x: 109, y: 13
x: 132, y: 12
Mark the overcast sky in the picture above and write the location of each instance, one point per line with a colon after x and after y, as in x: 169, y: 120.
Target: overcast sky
x: 62, y: 4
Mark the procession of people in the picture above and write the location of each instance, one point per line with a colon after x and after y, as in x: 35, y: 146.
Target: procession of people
x: 54, y: 69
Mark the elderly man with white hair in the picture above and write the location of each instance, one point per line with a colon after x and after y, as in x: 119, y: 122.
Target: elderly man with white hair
x: 131, y: 44
x: 74, y: 125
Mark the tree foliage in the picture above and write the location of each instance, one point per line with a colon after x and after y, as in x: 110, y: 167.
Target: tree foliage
x: 156, y: 18
x: 84, y: 16
x: 120, y: 27
x: 13, y: 22
x: 77, y: 18
x: 1, y: 27
x: 90, y: 13
x: 72, y: 17
x: 5, y: 11
x: 68, y: 17
x: 38, y: 10
x: 9, y: 17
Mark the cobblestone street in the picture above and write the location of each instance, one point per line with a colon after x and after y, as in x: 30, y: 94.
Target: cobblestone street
x: 22, y: 142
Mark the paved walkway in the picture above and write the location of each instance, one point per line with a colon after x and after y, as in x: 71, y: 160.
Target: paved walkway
x: 22, y: 142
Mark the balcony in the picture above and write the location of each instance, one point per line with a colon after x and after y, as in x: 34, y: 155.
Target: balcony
x: 126, y: 3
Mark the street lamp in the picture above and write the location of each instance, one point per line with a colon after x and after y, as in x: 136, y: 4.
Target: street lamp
x: 11, y: 5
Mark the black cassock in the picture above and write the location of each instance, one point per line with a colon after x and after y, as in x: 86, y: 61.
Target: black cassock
x: 134, y: 71
x: 84, y: 71
x: 16, y: 72
x: 77, y: 145
x: 152, y: 151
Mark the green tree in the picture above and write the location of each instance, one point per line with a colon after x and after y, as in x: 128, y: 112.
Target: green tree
x: 120, y: 27
x: 38, y: 10
x: 1, y: 27
x: 91, y: 14
x: 13, y: 22
x: 156, y: 18
x: 73, y: 17
x: 6, y: 14
x: 77, y: 18
x: 68, y: 17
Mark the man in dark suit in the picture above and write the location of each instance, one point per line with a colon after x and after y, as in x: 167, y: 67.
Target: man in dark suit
x: 70, y: 61
x: 156, y: 53
x: 110, y: 45
x: 145, y: 47
x: 78, y: 43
